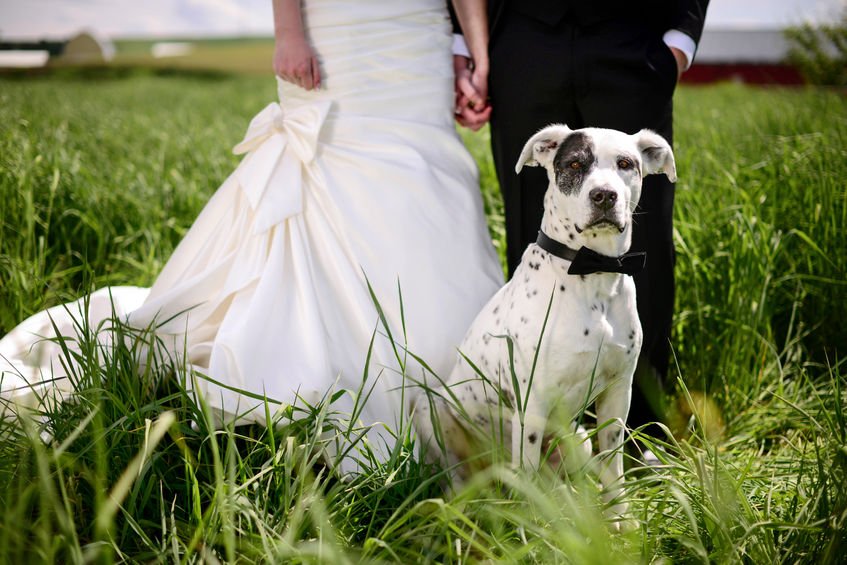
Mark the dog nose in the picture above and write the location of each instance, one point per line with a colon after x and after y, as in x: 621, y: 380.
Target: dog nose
x: 603, y: 198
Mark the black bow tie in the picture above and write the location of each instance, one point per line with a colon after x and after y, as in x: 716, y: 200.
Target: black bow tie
x: 587, y: 261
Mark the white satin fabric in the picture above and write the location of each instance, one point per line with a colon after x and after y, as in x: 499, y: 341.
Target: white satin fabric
x: 363, y: 181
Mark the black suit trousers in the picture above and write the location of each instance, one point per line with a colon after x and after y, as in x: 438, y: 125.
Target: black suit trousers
x: 613, y: 74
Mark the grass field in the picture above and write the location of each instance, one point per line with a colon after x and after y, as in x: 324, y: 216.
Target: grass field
x: 101, y: 176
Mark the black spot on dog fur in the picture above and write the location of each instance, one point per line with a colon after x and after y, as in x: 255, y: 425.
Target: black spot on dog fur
x: 562, y: 287
x: 585, y: 332
x: 576, y: 148
x: 532, y: 438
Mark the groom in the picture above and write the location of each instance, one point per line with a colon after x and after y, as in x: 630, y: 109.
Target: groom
x: 611, y: 64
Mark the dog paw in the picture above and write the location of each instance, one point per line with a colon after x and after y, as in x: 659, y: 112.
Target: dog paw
x: 624, y: 525
x: 619, y: 520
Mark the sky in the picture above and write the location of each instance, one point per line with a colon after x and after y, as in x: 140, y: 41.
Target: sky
x: 27, y: 19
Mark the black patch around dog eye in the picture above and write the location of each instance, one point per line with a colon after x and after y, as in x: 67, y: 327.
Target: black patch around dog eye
x: 575, y: 149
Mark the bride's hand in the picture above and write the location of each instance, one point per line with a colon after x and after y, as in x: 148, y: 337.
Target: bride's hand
x: 471, y: 86
x: 295, y: 61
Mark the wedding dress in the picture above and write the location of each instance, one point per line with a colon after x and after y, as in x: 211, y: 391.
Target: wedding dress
x: 362, y: 184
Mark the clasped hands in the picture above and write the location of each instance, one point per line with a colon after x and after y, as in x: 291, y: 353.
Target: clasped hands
x: 472, y: 107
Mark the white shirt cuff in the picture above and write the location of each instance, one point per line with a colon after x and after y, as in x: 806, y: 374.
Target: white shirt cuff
x: 678, y: 39
x: 459, y: 46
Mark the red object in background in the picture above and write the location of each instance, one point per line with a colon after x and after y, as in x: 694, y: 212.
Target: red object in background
x: 748, y: 73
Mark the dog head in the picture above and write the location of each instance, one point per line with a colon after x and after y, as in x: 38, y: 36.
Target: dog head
x: 595, y: 181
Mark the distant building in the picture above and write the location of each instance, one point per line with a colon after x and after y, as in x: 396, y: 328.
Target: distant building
x: 28, y: 54
x: 167, y: 49
x: 755, y: 56
x: 23, y: 58
x: 85, y: 48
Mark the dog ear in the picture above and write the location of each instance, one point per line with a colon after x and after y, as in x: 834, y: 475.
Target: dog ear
x: 656, y: 154
x: 541, y: 147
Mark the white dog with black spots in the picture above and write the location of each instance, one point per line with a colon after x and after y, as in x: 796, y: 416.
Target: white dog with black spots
x: 512, y: 378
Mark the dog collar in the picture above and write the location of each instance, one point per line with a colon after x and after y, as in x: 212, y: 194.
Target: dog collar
x: 587, y: 261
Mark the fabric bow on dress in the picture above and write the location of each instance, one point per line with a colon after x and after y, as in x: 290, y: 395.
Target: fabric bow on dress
x: 279, y: 144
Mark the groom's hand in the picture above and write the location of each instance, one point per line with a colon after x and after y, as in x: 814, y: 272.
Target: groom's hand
x: 471, y: 88
x: 681, y: 61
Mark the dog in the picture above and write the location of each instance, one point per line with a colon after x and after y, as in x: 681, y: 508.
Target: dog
x: 591, y: 331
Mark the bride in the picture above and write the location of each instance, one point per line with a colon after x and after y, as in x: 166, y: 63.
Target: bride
x: 354, y: 190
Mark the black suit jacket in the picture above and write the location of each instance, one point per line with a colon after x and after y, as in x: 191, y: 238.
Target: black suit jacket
x: 688, y: 16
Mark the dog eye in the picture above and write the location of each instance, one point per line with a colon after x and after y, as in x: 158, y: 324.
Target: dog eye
x: 575, y: 165
x: 624, y: 163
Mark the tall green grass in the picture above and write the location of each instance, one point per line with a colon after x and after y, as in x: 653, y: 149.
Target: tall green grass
x: 100, y: 178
